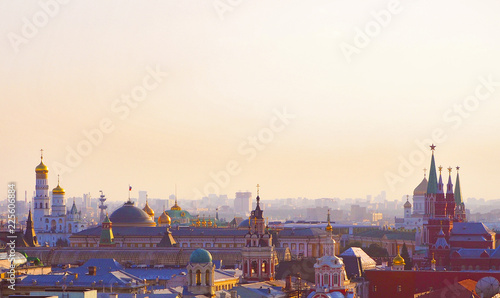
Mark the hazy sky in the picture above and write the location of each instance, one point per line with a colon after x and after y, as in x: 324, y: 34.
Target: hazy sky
x: 306, y: 98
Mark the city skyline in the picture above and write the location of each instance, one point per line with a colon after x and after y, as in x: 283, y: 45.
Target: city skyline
x: 301, y: 99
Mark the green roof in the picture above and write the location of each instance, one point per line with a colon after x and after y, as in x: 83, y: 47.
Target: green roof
x: 458, y: 192
x: 432, y: 185
x: 200, y: 256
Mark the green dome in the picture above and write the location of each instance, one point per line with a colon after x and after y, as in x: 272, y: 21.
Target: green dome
x: 200, y: 256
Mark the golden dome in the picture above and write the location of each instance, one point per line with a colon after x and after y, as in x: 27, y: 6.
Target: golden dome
x: 58, y: 190
x: 421, y: 189
x: 210, y: 223
x: 148, y: 209
x: 41, y: 168
x: 164, y: 219
x: 328, y: 227
x: 398, y: 260
x: 176, y: 207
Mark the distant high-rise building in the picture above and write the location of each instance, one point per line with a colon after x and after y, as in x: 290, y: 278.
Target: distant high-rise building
x: 243, y: 202
x: 142, y: 197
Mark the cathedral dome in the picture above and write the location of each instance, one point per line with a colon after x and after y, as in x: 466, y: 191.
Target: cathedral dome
x: 200, y: 255
x: 164, y: 219
x: 41, y: 168
x: 58, y: 190
x: 244, y: 224
x: 176, y: 207
x: 398, y: 260
x: 421, y: 189
x: 130, y: 216
x: 148, y: 210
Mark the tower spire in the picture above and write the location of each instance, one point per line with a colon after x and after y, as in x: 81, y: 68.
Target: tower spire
x: 458, y: 191
x: 432, y: 187
x: 328, y: 227
x: 440, y: 183
x: 449, y: 187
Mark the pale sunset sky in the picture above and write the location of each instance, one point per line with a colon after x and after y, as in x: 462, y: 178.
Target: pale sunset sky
x: 307, y: 98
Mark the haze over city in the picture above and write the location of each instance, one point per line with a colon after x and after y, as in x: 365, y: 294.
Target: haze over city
x: 160, y: 94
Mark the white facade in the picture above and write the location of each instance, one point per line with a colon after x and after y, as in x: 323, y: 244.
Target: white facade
x: 51, y: 220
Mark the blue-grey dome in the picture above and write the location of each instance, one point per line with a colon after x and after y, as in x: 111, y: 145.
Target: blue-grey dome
x: 200, y: 255
x: 243, y: 224
x: 130, y: 216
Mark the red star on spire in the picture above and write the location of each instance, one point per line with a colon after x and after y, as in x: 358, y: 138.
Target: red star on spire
x: 433, y: 147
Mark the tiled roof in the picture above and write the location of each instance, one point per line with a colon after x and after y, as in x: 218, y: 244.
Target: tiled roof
x: 468, y: 238
x: 470, y: 228
x: 159, y: 231
x: 473, y: 252
x: 302, y: 232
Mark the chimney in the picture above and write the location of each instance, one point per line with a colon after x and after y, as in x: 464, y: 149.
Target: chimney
x: 92, y: 270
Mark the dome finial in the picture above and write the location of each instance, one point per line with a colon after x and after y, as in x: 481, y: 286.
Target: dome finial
x: 328, y: 227
x: 425, y: 172
x: 258, y: 189
x: 41, y: 153
x: 433, y: 147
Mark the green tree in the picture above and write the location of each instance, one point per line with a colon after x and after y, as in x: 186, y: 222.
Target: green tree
x: 375, y: 250
x: 350, y: 244
x: 405, y: 255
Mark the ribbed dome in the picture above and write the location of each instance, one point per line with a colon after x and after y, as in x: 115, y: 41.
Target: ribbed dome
x: 421, y: 189
x: 200, y: 256
x: 130, y: 216
x: 164, y: 219
x: 407, y: 204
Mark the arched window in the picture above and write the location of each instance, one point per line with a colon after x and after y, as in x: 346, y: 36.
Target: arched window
x: 46, y: 205
x: 207, y: 278
x: 264, y: 267
x: 326, y: 280
x: 335, y: 279
x: 198, y: 277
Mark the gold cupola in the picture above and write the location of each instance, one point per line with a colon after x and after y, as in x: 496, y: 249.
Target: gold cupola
x: 149, y: 210
x: 164, y: 219
x: 58, y: 190
x: 41, y: 168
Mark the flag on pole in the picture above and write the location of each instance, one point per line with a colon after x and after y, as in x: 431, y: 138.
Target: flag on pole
x: 129, y: 188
